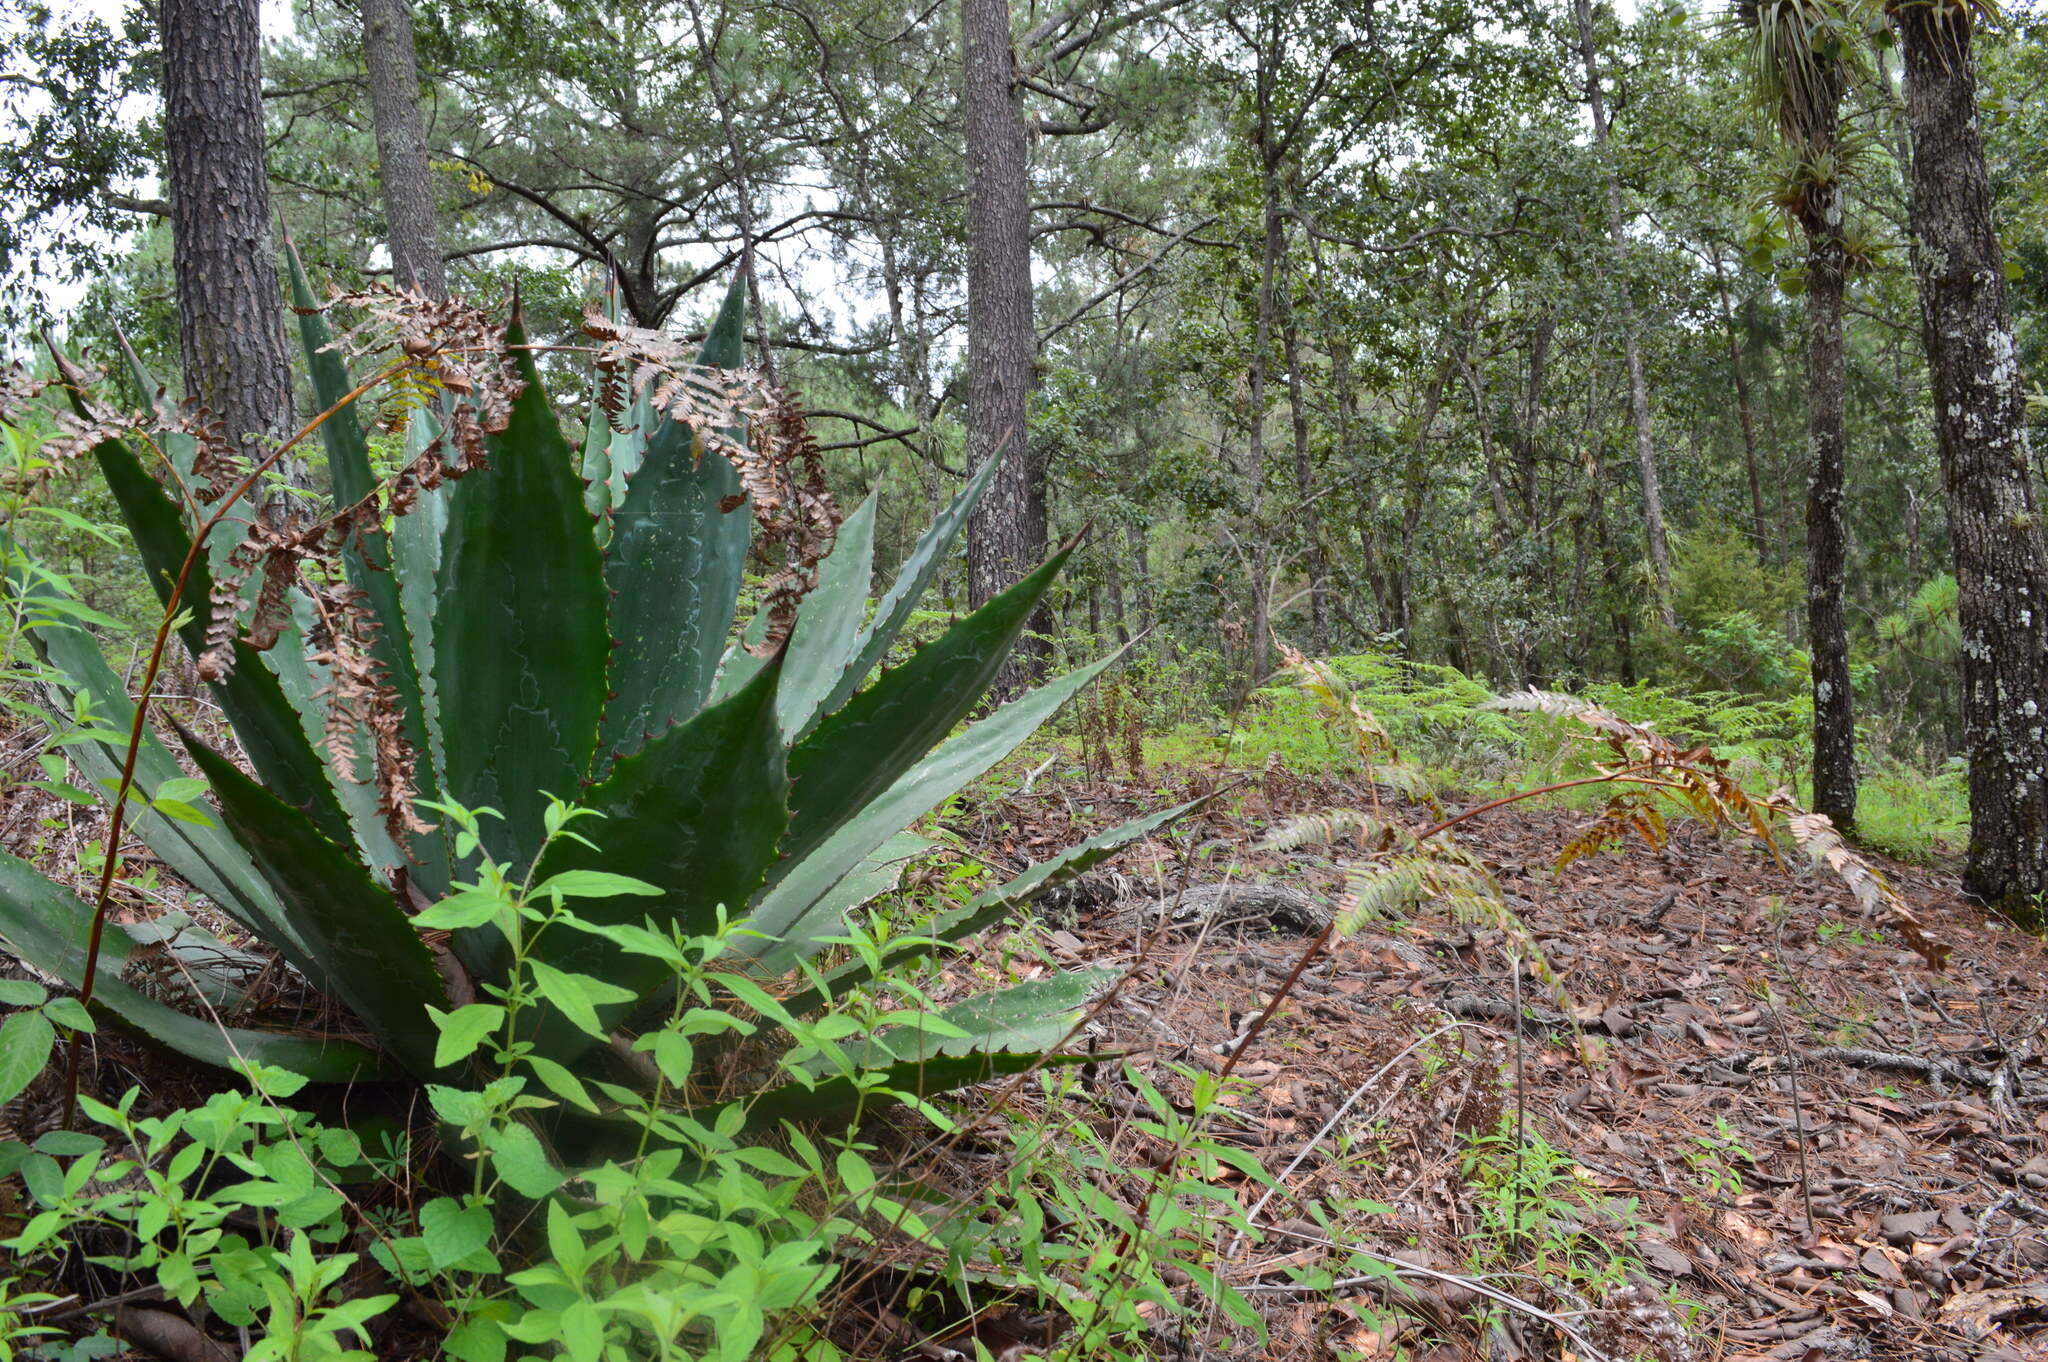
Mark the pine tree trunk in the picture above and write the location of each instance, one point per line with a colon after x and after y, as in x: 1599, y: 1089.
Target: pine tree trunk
x: 2000, y: 556
x: 1006, y: 536
x: 1834, y: 721
x: 1638, y: 385
x: 224, y: 261
x: 402, y: 165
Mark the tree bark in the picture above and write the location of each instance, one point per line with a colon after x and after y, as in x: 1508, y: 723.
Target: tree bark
x: 1745, y: 414
x: 1827, y: 546
x: 1313, y: 558
x: 403, y: 170
x: 1638, y: 386
x: 2000, y: 555
x: 230, y: 307
x: 1006, y: 535
x: 1270, y: 255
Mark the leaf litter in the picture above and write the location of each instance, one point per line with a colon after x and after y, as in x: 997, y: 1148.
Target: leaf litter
x: 1763, y: 1049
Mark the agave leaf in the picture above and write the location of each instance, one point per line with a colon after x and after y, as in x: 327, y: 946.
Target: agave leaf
x: 180, y: 448
x: 351, y: 770
x: 674, y: 566
x: 1008, y: 1031
x: 788, y: 902
x: 1035, y: 1015
x: 264, y: 720
x: 741, y: 662
x: 204, y: 855
x: 828, y: 622
x: 858, y: 752
x: 612, y: 453
x: 519, y: 642
x: 991, y: 906
x: 877, y: 873
x: 416, y: 564
x: 50, y: 927
x: 367, y: 556
x: 841, y: 1099
x: 696, y: 812
x: 371, y: 955
x: 908, y: 589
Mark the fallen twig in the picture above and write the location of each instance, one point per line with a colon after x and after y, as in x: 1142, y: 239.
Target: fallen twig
x: 1402, y: 1268
x: 1858, y: 1058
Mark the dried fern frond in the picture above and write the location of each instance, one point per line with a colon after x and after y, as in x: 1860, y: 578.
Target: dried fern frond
x: 362, y: 703
x: 446, y: 346
x: 759, y: 429
x: 1700, y: 780
x: 1815, y: 834
x: 447, y: 350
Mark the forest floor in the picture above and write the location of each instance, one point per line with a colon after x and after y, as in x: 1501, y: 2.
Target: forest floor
x: 1897, y: 1207
x: 1671, y: 1198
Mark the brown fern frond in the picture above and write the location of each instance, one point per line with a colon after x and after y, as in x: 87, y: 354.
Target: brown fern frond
x: 445, y: 346
x: 25, y: 400
x: 1700, y: 778
x: 1815, y: 835
x: 760, y: 430
x: 362, y: 704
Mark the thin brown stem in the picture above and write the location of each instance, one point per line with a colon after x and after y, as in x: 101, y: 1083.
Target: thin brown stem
x: 110, y: 863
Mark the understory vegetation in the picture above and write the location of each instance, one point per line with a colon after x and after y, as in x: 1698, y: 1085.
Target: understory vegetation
x: 1023, y: 680
x: 570, y: 1110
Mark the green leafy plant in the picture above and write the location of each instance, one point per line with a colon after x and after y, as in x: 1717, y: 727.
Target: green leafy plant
x: 1713, y: 1159
x: 690, y: 1237
x: 1534, y: 1205
x: 483, y: 637
x: 28, y: 1035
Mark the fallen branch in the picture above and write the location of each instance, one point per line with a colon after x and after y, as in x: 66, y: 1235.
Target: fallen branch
x: 1858, y: 1058
x: 163, y: 1334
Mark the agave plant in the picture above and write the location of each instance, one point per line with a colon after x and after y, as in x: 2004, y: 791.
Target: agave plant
x: 561, y: 624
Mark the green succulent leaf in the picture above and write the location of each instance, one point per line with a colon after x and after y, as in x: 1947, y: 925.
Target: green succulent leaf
x: 860, y: 751
x: 1034, y: 1015
x: 843, y: 1099
x: 612, y: 446
x: 992, y: 906
x: 351, y: 764
x: 785, y: 916
x: 828, y: 622
x: 204, y: 855
x: 519, y: 641
x: 696, y: 813
x: 674, y: 566
x: 49, y: 926
x: 251, y: 697
x: 909, y: 587
x: 356, y: 930
x: 1005, y: 1031
x: 416, y: 564
x: 367, y: 555
x: 180, y: 447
